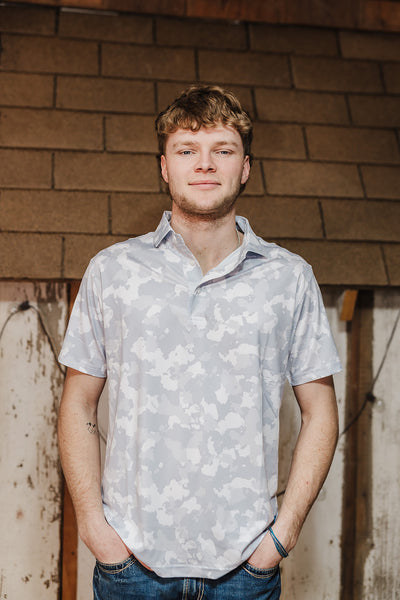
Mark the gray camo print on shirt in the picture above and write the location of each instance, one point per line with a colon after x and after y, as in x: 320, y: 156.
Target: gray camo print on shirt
x: 196, y: 367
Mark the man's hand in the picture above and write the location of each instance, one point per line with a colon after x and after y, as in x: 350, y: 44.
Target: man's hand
x: 105, y: 544
x: 266, y: 555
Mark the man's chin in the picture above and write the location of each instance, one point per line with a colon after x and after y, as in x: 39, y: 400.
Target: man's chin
x: 205, y: 210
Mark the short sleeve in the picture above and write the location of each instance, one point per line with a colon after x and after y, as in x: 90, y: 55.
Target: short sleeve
x: 313, y: 353
x: 83, y: 348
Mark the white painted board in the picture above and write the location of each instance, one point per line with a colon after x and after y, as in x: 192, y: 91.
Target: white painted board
x: 382, y: 567
x: 30, y: 389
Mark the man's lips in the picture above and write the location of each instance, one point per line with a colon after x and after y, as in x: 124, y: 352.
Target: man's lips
x: 205, y: 184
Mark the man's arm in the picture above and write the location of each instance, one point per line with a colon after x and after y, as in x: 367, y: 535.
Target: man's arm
x: 80, y: 457
x: 312, y: 458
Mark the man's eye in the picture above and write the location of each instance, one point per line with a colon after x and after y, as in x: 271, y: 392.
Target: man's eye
x: 224, y: 152
x: 186, y: 152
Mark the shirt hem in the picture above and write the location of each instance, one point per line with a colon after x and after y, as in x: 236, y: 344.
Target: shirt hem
x: 190, y: 572
x: 82, y: 368
x: 314, y: 376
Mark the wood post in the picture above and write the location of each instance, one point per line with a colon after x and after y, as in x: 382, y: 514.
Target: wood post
x: 357, y: 509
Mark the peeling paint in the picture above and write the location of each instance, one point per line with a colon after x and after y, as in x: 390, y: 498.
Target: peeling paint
x: 30, y: 390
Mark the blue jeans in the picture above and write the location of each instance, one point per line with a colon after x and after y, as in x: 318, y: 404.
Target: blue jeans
x: 129, y: 580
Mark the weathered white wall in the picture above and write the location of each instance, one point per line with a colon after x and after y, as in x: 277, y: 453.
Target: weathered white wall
x: 312, y: 571
x: 30, y: 387
x: 382, y: 568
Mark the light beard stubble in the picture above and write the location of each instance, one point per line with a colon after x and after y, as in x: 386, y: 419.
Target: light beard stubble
x: 222, y: 209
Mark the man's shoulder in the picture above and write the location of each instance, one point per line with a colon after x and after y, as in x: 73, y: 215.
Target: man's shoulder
x: 279, y: 257
x: 124, y: 249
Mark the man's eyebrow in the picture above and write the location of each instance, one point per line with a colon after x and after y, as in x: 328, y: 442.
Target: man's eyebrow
x: 184, y: 143
x: 192, y: 143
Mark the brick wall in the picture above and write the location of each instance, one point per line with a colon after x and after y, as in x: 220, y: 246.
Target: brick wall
x: 78, y: 169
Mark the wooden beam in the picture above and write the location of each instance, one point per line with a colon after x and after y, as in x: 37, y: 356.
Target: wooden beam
x: 69, y: 549
x: 349, y: 300
x: 357, y: 506
x: 375, y: 15
x: 69, y: 526
x: 380, y: 14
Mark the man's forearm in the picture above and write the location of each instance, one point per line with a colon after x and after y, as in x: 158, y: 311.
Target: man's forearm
x: 79, y: 448
x: 311, y: 459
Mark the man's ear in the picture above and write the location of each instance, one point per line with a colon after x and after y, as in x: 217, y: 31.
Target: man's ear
x: 164, y: 171
x: 246, y: 170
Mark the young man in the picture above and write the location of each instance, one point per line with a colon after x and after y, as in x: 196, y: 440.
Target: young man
x: 196, y: 326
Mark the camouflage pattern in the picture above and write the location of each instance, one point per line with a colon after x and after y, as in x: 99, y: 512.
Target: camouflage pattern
x: 196, y: 367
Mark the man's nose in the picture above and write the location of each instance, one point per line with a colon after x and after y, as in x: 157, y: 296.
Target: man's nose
x: 205, y: 163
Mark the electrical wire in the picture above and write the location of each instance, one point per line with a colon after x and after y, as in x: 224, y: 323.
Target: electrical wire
x: 370, y: 396
x: 24, y: 306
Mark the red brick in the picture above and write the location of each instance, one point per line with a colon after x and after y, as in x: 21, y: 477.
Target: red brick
x: 18, y: 89
x: 391, y: 73
x: 136, y: 214
x: 50, y: 129
x: 293, y: 40
x: 131, y: 134
x: 352, y: 145
x: 27, y: 19
x: 79, y: 249
x: 361, y: 220
x: 49, y: 55
x: 342, y: 263
x: 101, y: 94
x: 370, y: 45
x: 375, y: 111
x: 148, y: 62
x: 392, y: 259
x: 25, y: 169
x: 168, y: 91
x: 106, y: 27
x: 301, y: 107
x: 335, y: 75
x: 278, y: 141
x: 382, y: 182
x: 282, y: 217
x: 51, y: 211
x: 30, y: 256
x: 244, y: 68
x: 288, y: 178
x: 106, y: 172
x: 201, y: 33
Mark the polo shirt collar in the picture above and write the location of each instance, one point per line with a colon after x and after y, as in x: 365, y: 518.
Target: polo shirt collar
x: 251, y: 242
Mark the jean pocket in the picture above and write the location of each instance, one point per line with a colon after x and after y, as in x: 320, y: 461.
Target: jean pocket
x: 260, y: 573
x: 114, y: 568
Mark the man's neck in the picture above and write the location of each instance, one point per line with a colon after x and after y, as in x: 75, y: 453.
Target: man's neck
x: 210, y: 241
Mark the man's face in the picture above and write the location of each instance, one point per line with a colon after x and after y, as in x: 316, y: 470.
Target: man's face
x: 204, y: 170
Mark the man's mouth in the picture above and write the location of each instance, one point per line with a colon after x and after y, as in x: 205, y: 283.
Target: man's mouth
x: 205, y: 184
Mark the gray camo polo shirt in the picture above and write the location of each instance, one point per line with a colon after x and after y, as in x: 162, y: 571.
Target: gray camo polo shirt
x: 195, y: 367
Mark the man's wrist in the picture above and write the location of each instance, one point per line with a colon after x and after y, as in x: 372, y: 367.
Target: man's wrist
x: 278, y: 545
x: 286, y: 529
